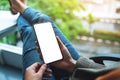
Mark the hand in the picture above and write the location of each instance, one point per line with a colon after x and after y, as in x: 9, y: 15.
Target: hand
x: 67, y: 63
x: 36, y: 72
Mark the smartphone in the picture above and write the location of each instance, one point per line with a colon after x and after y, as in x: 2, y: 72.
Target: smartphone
x: 47, y: 41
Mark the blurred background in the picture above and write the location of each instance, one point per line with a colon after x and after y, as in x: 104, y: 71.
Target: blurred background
x: 93, y: 26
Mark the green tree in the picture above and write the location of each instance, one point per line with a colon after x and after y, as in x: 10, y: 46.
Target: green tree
x: 90, y: 19
x: 4, y: 5
x: 56, y: 9
x: 62, y: 12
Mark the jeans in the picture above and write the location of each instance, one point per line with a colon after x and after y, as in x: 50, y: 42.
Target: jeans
x: 30, y: 54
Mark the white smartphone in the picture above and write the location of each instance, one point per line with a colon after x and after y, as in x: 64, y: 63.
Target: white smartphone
x: 48, y: 43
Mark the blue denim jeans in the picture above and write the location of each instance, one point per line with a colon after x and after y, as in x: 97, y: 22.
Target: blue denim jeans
x: 30, y: 55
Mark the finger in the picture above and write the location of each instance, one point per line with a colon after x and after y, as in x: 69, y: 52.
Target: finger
x: 42, y: 70
x: 40, y: 56
x: 47, y: 73
x: 36, y: 43
x: 48, y: 70
x: 38, y: 49
x: 60, y: 43
x: 34, y: 67
x: 37, y: 46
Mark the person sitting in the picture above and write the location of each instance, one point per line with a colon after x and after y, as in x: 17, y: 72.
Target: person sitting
x: 33, y: 67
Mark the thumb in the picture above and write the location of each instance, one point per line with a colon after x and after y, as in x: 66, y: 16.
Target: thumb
x: 42, y: 70
x: 60, y: 43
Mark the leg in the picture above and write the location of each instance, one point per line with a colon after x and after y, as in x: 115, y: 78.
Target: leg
x: 30, y: 55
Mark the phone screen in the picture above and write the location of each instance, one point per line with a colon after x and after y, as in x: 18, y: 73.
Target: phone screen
x: 47, y: 41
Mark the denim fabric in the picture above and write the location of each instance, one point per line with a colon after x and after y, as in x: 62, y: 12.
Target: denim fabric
x: 30, y: 55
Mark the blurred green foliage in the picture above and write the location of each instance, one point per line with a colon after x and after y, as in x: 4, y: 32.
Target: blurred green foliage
x: 61, y: 11
x: 107, y: 35
x: 4, y: 5
x: 90, y: 18
x: 11, y: 38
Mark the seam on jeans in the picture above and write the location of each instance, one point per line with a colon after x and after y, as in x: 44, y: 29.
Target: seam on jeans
x: 28, y: 50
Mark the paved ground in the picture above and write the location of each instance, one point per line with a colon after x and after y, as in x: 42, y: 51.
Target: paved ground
x: 92, y: 48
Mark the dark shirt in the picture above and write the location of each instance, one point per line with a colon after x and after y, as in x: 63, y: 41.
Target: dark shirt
x: 85, y: 68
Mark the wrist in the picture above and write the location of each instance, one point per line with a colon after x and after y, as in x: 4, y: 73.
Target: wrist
x: 72, y: 65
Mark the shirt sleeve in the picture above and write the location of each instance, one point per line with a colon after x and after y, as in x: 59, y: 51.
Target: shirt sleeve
x: 83, y: 62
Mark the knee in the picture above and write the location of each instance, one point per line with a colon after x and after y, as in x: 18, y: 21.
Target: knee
x: 28, y: 32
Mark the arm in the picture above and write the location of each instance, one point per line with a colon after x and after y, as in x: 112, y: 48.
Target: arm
x: 69, y: 64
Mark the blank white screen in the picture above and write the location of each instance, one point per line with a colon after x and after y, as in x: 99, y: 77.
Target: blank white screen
x: 48, y: 42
